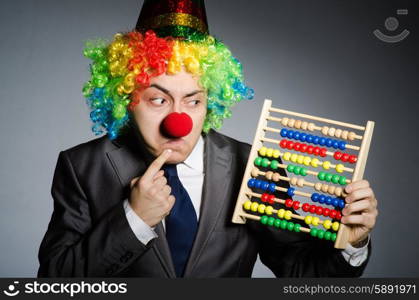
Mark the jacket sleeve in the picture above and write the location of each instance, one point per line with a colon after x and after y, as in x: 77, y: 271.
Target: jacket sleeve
x: 72, y: 245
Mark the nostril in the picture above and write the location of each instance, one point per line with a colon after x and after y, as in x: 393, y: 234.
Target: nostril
x: 177, y: 125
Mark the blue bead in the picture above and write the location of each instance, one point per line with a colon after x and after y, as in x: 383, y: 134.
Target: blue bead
x: 265, y: 185
x: 315, y: 197
x: 342, y: 145
x: 309, y: 138
x: 335, y: 202
x: 258, y: 183
x: 328, y: 200
x: 316, y: 140
x: 272, y: 187
x: 322, y: 198
x: 290, y: 134
x: 291, y: 191
x: 303, y: 137
x: 335, y: 144
x: 322, y: 141
x: 341, y: 203
x: 329, y: 142
x: 284, y: 132
x: 251, y: 182
x: 297, y: 135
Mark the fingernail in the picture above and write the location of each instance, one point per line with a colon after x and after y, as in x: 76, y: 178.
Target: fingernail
x: 168, y: 151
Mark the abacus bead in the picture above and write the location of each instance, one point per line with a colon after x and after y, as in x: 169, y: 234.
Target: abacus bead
x: 326, y: 165
x: 284, y: 121
x: 318, y: 186
x: 254, y: 207
x: 271, y: 199
x: 332, y: 214
x: 296, y: 205
x: 291, y: 191
x: 342, y: 145
x: 325, y: 130
x: 261, y: 208
x: 297, y: 227
x: 281, y: 213
x: 247, y: 205
x: 338, y: 215
x: 290, y: 226
x: 326, y: 212
x: 345, y: 157
x: 286, y: 156
x: 335, y: 144
x: 290, y: 145
x: 335, y: 202
x: 290, y: 134
x: 327, y: 224
x: 276, y: 177
x: 323, y: 152
x: 322, y: 199
x: 287, y: 215
x: 341, y: 203
x: 313, y: 209
x: 269, y: 210
x: 272, y: 187
x: 297, y: 170
x: 328, y: 200
x: 255, y: 172
x: 309, y: 138
x: 335, y: 179
x: 327, y: 235
x: 316, y: 140
x: 264, y: 197
x: 322, y: 141
x: 283, y: 224
x: 258, y: 183
x: 308, y: 219
x: 269, y: 175
x: 283, y: 143
x: 294, y: 157
x: 303, y: 172
x: 329, y: 142
x: 338, y: 191
x: 297, y: 135
x: 264, y: 220
x: 310, y: 149
x: 297, y: 146
x: 321, y: 176
x: 277, y: 223
x: 276, y: 153
x: 320, y: 234
x: 342, y: 180
x: 306, y: 207
x: 303, y: 148
x: 262, y: 151
x: 265, y: 162
x: 333, y: 237
x: 303, y: 137
x: 315, y: 197
x: 298, y: 124
x: 313, y: 232
x: 251, y: 182
x: 274, y: 164
x: 339, y: 168
x: 307, y: 160
x: 338, y: 133
x: 316, y: 151
x: 352, y: 159
x: 265, y: 185
x: 331, y: 131
x: 319, y: 210
x: 271, y: 221
x: 290, y: 168
x: 258, y: 161
x: 335, y: 226
x: 288, y: 203
x: 351, y: 136
x: 269, y: 152
x: 284, y: 132
x: 300, y: 182
x: 337, y: 155
x: 300, y: 159
x: 311, y: 126
x: 315, y: 221
x: 328, y: 177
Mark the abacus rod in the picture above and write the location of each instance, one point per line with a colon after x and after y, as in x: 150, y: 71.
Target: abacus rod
x: 257, y: 218
x: 286, y: 112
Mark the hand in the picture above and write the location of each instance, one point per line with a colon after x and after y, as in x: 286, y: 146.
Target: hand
x: 150, y: 195
x: 360, y: 212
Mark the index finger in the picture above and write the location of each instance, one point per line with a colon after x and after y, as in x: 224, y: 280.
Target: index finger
x: 156, y: 165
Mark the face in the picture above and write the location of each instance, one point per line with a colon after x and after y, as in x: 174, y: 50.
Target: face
x: 180, y: 92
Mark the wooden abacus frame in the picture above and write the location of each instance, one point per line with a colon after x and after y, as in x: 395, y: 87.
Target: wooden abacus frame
x: 240, y: 216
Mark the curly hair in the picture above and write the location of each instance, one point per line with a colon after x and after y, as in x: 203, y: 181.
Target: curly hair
x: 133, y: 58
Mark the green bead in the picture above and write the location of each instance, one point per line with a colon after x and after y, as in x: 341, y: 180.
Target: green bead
x: 264, y: 220
x: 283, y: 224
x: 321, y: 176
x: 290, y: 168
x: 277, y: 223
x: 274, y: 164
x: 313, y: 232
x: 342, y: 180
x: 258, y: 161
x: 271, y: 221
x: 328, y: 177
x: 334, y: 237
x: 297, y: 227
x: 290, y: 226
x: 265, y: 162
x: 327, y: 235
x: 303, y: 172
x: 320, y: 234
x: 335, y: 179
x: 297, y: 170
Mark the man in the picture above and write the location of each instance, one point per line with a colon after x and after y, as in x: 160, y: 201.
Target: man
x: 147, y: 201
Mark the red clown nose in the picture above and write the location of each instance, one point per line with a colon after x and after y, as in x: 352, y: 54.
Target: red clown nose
x: 177, y: 125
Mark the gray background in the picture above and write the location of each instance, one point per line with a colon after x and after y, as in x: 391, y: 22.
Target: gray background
x: 318, y: 57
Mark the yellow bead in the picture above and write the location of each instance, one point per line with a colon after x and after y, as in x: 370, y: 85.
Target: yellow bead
x: 254, y: 206
x: 281, y: 213
x: 247, y: 205
x: 307, y: 160
x: 308, y: 219
x: 276, y: 153
x: 326, y: 165
x: 269, y: 152
x: 262, y: 151
x: 286, y: 156
x: 327, y: 224
x: 287, y: 215
x: 261, y: 208
x: 339, y: 168
x: 315, y: 221
x: 300, y: 159
x: 268, y: 210
x: 315, y: 162
x: 335, y: 226
x: 294, y: 157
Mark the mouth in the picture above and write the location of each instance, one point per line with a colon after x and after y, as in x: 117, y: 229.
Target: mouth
x: 174, y: 144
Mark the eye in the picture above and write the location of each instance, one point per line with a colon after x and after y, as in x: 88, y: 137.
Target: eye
x: 158, y: 101
x: 194, y: 102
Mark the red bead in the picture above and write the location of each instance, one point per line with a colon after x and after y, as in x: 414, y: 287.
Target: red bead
x: 288, y: 203
x: 296, y: 205
x: 319, y: 210
x: 271, y: 199
x: 306, y: 207
x: 264, y: 197
x: 303, y: 148
x: 310, y: 149
x: 297, y: 146
x: 290, y: 145
x: 283, y: 143
x: 353, y: 159
x: 338, y: 215
x: 337, y: 155
x: 326, y: 212
x: 345, y: 157
x: 316, y: 151
x: 333, y: 213
x: 313, y: 209
x: 323, y: 152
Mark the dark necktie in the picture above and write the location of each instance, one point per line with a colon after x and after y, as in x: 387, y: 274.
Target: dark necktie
x: 181, y: 223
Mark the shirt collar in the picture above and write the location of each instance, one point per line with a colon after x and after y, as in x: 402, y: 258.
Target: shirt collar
x: 195, y: 160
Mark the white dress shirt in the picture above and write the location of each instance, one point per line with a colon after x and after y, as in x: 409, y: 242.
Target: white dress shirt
x: 191, y: 174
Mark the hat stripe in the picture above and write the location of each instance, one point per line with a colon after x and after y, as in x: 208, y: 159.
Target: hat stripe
x: 173, y: 19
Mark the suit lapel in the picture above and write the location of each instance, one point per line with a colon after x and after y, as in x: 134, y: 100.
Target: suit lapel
x: 217, y: 168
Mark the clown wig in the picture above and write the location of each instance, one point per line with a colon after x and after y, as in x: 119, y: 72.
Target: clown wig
x: 132, y: 58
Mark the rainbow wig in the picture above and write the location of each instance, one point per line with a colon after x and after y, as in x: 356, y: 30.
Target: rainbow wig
x: 132, y: 58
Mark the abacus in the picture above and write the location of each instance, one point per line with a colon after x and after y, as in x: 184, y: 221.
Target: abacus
x: 338, y: 150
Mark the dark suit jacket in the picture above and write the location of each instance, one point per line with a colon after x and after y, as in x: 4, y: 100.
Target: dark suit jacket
x: 89, y: 235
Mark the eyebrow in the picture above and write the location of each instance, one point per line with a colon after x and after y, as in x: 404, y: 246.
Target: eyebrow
x: 166, y: 91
